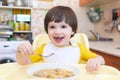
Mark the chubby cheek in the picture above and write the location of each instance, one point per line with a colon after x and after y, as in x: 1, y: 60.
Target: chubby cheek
x: 50, y: 34
x: 67, y: 39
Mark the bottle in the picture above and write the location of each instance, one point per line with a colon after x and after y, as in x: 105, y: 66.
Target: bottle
x: 14, y: 15
x: 98, y: 36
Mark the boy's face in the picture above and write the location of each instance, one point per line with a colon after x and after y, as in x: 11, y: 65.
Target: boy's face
x: 59, y: 33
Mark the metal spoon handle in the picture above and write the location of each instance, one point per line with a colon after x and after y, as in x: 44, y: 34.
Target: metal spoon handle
x: 42, y: 55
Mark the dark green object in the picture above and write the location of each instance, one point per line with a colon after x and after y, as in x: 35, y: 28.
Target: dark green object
x: 98, y: 10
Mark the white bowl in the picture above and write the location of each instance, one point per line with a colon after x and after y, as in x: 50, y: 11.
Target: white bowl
x: 33, y: 69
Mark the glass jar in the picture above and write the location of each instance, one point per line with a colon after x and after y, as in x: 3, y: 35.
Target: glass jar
x: 16, y: 28
x: 19, y: 3
x: 22, y: 26
x: 27, y: 27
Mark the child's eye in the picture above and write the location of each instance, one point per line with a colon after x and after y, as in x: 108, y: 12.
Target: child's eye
x: 52, y: 26
x: 64, y: 26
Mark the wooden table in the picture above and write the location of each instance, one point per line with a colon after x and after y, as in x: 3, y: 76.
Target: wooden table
x: 14, y: 71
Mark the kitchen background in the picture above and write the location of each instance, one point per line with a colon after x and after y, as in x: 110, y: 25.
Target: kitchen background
x: 25, y: 18
x: 85, y: 25
x: 40, y: 7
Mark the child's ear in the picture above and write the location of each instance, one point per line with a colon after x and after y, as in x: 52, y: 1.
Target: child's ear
x: 72, y: 33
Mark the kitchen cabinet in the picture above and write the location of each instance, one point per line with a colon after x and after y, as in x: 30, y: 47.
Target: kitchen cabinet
x: 109, y: 59
x: 84, y: 2
x: 92, y: 3
x: 19, y: 15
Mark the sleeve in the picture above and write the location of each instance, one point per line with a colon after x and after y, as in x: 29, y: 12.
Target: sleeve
x: 86, y: 53
x: 35, y: 57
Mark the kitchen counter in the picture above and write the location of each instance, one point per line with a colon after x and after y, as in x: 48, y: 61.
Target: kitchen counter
x: 14, y: 71
x: 108, y: 47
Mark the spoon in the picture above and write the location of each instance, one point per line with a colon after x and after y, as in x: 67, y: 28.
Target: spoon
x: 46, y: 55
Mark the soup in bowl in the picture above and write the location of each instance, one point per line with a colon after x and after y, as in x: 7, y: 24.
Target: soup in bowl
x: 54, y: 71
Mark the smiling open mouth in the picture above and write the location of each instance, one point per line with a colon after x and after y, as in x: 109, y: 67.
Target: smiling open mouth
x: 58, y: 39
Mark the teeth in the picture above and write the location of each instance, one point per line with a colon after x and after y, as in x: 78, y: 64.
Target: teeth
x: 58, y: 37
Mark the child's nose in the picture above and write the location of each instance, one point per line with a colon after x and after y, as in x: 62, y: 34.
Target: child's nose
x: 58, y: 31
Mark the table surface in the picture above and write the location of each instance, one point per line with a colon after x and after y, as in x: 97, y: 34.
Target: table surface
x: 14, y: 71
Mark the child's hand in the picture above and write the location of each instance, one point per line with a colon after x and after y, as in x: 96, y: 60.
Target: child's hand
x: 23, y: 51
x: 25, y: 48
x: 94, y: 63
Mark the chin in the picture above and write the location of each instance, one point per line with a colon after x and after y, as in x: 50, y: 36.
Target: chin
x: 59, y: 45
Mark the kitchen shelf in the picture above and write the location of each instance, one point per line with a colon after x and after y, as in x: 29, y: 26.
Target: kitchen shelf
x: 16, y: 12
x: 14, y: 7
x: 22, y: 32
x: 6, y: 32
